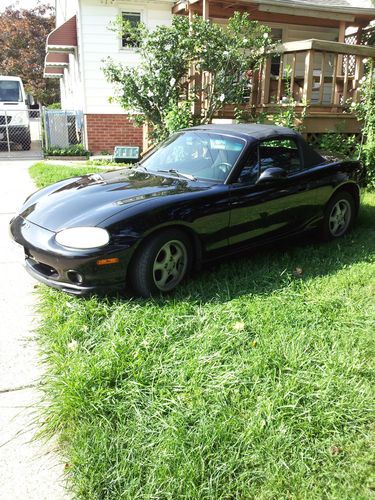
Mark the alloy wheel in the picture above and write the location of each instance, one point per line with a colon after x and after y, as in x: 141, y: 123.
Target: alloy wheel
x: 339, y: 218
x: 170, y: 265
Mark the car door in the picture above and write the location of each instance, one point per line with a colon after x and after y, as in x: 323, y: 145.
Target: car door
x: 272, y: 209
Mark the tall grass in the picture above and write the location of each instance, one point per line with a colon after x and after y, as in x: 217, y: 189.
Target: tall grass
x: 254, y: 379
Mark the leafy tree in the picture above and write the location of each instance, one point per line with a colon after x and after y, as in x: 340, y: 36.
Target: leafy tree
x: 23, y: 36
x: 365, y: 110
x: 157, y: 91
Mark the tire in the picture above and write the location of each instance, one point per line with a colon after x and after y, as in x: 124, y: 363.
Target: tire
x: 161, y: 263
x: 339, y: 216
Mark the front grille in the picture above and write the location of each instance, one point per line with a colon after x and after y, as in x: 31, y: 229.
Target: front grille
x: 2, y: 119
x: 44, y: 269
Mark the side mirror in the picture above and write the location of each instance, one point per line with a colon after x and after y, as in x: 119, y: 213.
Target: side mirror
x: 272, y: 174
x: 29, y: 100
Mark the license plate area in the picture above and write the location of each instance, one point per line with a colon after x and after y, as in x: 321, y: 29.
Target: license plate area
x: 40, y: 267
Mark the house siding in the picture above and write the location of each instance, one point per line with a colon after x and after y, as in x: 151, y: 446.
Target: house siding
x: 71, y: 86
x: 84, y: 86
x: 99, y: 43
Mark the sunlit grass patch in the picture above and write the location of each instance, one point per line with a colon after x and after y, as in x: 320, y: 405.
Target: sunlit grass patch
x: 254, y: 379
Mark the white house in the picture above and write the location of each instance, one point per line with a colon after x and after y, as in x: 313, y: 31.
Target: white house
x: 81, y: 42
x: 75, y: 53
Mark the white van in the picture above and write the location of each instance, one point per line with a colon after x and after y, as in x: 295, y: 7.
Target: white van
x: 14, y: 113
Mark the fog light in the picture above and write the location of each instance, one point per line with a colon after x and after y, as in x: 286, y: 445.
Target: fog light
x: 75, y: 277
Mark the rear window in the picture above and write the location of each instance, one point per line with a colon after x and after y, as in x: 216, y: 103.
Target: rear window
x: 10, y: 90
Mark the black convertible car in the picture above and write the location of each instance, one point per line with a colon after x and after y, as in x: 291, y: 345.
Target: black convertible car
x: 206, y: 191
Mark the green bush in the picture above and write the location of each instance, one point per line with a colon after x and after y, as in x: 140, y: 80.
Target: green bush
x: 365, y: 110
x: 340, y: 144
x: 368, y: 159
x: 54, y: 105
x: 74, y: 150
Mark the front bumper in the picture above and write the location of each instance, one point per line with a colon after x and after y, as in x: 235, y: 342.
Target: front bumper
x: 71, y: 288
x: 59, y: 267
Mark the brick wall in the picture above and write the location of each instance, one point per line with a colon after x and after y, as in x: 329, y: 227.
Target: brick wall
x: 104, y: 132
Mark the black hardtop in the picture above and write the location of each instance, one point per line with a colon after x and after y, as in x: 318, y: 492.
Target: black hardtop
x: 251, y: 130
x: 254, y: 132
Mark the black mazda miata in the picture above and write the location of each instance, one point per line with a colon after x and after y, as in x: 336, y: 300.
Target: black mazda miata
x: 204, y: 192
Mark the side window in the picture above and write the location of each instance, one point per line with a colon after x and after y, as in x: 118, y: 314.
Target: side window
x: 133, y: 18
x: 250, y: 171
x: 282, y: 153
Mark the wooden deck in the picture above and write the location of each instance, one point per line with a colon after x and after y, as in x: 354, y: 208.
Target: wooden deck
x: 322, y: 75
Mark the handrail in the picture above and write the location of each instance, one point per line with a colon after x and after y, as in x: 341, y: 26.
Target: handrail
x: 326, y: 46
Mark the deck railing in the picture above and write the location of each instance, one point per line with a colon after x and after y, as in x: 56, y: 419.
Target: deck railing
x: 318, y: 72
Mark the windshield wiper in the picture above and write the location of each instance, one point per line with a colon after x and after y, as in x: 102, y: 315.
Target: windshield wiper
x: 179, y: 174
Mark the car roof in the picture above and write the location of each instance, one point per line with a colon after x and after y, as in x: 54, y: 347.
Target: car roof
x: 253, y: 132
x: 250, y: 130
x: 14, y: 78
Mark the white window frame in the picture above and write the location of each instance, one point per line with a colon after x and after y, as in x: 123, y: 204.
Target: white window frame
x: 131, y: 9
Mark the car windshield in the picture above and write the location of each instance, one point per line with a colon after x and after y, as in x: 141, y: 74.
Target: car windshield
x: 10, y: 90
x: 200, y: 154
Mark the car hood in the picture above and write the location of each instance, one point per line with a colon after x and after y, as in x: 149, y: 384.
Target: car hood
x: 91, y: 199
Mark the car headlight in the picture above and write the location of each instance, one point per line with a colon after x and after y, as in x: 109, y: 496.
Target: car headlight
x: 82, y: 237
x: 21, y: 118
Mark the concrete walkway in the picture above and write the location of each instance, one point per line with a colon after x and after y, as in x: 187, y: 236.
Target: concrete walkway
x: 29, y: 470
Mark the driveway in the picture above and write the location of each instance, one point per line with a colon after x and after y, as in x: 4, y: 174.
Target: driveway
x: 29, y: 470
x: 35, y: 151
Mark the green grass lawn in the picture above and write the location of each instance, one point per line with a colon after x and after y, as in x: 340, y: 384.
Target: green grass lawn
x: 254, y: 380
x: 44, y: 173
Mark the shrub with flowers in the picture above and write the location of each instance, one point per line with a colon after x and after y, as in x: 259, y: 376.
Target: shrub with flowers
x: 157, y: 92
x: 286, y: 115
x: 365, y: 110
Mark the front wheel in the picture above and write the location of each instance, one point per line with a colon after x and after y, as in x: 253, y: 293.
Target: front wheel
x: 339, y: 216
x: 161, y: 263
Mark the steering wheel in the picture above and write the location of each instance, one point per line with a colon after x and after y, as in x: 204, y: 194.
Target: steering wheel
x: 223, y: 167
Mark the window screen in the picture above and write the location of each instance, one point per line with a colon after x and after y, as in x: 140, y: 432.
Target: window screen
x: 134, y: 18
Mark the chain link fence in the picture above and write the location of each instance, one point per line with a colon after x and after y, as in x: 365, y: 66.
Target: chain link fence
x: 20, y: 134
x: 63, y: 129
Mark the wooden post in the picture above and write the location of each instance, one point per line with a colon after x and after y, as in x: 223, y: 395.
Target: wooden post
x: 334, y: 95
x: 266, y: 75
x: 254, y: 88
x: 346, y: 77
x: 308, y: 79
x: 358, y: 74
x: 204, y: 78
x: 322, y: 77
x: 293, y: 74
x: 342, y: 30
x: 146, y: 138
x: 205, y: 10
x: 191, y: 13
x: 280, y: 82
x: 359, y: 36
x: 194, y: 78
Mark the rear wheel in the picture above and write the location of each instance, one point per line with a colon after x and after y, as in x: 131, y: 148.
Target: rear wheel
x: 161, y: 263
x: 339, y: 216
